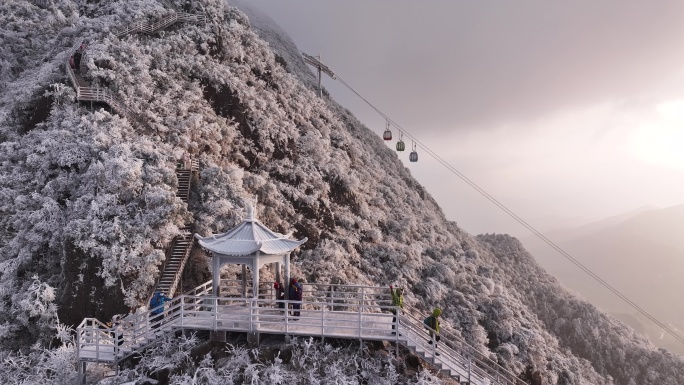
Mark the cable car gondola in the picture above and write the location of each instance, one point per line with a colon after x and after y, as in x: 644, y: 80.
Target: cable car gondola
x: 400, y: 144
x: 413, y: 157
x: 387, y: 135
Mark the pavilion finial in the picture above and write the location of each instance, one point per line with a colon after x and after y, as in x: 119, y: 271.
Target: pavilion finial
x: 251, y: 213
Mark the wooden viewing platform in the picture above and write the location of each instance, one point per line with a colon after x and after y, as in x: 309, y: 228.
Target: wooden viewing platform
x: 328, y: 311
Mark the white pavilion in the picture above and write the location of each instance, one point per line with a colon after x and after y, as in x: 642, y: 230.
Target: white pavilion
x: 251, y: 244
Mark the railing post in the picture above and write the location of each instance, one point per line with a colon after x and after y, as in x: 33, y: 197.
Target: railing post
x: 360, y: 304
x: 287, y: 317
x: 254, y: 314
x: 97, y: 345
x: 469, y: 356
x: 182, y: 310
x: 396, y: 336
x: 78, y: 342
x: 434, y: 346
x: 322, y: 321
x: 119, y: 340
x: 215, y: 313
x: 332, y: 297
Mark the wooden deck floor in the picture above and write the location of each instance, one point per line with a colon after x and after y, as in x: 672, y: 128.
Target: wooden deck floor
x: 330, y: 324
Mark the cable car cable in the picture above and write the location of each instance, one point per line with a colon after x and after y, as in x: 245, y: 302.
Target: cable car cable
x: 521, y: 221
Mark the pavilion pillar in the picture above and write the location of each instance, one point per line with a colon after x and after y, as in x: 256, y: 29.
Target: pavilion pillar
x: 287, y: 276
x: 244, y: 280
x: 255, y: 304
x: 216, y: 276
x: 278, y: 268
x: 255, y: 279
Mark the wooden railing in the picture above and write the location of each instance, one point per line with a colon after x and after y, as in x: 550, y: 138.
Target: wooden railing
x: 341, y: 311
x: 164, y: 22
x: 461, y: 355
x: 86, y: 93
x: 96, y: 337
x: 137, y: 331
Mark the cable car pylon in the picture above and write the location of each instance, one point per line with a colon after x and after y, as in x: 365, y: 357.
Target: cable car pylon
x: 315, y: 61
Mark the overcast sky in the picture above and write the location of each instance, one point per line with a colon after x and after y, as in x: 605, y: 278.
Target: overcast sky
x: 566, y: 112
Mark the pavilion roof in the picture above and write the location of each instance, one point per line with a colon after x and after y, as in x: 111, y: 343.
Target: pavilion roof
x: 249, y: 237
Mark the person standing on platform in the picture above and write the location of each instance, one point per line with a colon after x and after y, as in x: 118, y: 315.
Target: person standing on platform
x: 279, y: 294
x: 296, y: 296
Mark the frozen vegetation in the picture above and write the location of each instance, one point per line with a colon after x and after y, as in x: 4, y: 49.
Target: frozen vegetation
x: 88, y: 206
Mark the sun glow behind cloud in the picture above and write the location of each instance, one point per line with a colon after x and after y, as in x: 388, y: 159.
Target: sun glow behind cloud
x: 589, y: 163
x: 661, y: 142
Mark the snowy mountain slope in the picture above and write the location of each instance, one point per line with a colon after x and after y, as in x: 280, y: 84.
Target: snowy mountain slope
x: 580, y: 327
x: 640, y: 255
x: 88, y: 198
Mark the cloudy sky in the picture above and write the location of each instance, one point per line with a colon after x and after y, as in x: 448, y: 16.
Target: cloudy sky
x: 566, y: 112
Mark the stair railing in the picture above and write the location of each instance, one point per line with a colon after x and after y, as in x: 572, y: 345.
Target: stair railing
x: 92, y: 333
x: 462, y: 352
x: 179, y: 271
x: 164, y: 22
x: 97, y: 342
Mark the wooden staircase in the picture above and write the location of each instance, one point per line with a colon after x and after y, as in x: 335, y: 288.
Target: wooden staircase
x: 85, y: 92
x: 184, y: 175
x: 182, y: 244
x: 165, y: 22
x: 175, y: 262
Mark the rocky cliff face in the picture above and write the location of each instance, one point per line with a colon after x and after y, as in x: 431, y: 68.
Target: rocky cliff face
x: 87, y: 198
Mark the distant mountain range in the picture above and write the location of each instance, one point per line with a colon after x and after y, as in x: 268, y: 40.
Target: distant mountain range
x: 640, y: 253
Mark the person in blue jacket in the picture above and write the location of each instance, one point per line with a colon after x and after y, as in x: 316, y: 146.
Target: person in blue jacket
x: 157, y: 308
x: 296, y: 294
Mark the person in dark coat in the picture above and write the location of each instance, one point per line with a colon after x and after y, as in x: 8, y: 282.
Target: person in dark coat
x: 116, y: 329
x: 296, y: 295
x: 77, y: 59
x: 432, y: 322
x: 279, y: 294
